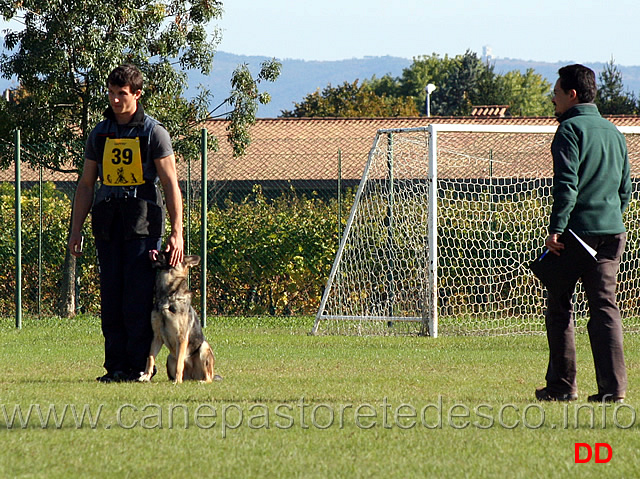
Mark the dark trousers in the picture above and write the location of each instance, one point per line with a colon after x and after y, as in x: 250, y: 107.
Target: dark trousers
x: 126, y: 299
x: 604, y: 326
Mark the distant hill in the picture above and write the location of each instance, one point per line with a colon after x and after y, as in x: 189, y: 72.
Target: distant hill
x: 299, y: 77
x: 630, y: 74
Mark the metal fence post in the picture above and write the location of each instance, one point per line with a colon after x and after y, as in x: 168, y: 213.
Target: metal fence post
x: 188, y: 212
x: 18, y: 209
x: 203, y: 233
x: 339, y: 194
x: 40, y: 230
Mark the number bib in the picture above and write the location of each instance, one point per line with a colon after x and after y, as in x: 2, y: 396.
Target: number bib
x: 122, y: 162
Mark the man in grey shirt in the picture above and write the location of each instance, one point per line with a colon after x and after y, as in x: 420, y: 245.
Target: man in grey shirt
x: 129, y: 152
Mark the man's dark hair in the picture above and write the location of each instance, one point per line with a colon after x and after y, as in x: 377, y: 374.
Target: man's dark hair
x: 581, y: 79
x: 126, y: 75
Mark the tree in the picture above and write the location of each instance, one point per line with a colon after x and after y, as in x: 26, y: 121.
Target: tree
x: 243, y: 100
x: 456, y: 79
x: 386, y: 85
x: 490, y: 89
x: 527, y: 95
x: 464, y: 80
x: 352, y: 100
x: 66, y: 49
x: 424, y: 70
x: 611, y: 99
x: 65, y: 52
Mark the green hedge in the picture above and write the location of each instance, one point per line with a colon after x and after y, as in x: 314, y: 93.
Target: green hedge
x: 274, y: 256
x: 270, y: 257
x: 265, y: 257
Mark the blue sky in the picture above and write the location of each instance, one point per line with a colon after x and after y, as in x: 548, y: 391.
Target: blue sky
x: 540, y: 30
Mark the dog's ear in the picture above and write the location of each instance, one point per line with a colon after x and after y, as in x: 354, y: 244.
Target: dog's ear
x: 192, y: 260
x: 158, y: 259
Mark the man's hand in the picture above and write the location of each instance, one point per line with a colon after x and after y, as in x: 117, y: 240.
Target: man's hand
x: 82, y: 202
x: 76, y: 241
x: 175, y: 247
x: 553, y: 244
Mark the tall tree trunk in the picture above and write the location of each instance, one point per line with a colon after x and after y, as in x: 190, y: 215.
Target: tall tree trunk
x: 66, y: 306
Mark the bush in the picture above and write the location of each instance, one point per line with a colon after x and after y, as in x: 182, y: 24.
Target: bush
x: 44, y: 243
x: 270, y: 257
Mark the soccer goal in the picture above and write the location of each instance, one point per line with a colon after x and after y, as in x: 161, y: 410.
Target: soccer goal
x: 445, y: 221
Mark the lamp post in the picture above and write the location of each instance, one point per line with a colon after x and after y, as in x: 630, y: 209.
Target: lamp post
x: 430, y: 89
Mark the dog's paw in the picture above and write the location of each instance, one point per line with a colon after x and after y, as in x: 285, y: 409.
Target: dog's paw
x: 144, y: 378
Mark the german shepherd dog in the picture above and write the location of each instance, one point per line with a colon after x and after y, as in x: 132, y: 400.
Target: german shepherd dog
x: 176, y: 325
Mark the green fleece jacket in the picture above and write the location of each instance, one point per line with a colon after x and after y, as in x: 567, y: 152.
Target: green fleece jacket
x: 591, y: 180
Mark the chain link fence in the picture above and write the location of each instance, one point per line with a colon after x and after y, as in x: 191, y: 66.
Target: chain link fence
x: 274, y: 220
x: 270, y: 241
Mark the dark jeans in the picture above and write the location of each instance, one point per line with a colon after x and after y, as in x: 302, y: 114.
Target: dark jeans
x: 604, y: 326
x: 126, y: 299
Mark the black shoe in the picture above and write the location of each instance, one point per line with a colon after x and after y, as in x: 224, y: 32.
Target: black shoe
x: 543, y: 394
x: 114, y: 377
x: 611, y: 398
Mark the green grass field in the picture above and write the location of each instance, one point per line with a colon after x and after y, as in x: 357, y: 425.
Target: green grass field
x: 293, y: 405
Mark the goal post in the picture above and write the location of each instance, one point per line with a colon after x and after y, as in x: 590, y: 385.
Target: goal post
x: 444, y: 222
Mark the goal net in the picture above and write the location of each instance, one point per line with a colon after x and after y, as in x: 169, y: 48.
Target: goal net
x: 444, y: 224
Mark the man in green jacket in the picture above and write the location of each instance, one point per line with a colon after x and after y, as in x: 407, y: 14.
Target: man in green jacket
x: 591, y: 189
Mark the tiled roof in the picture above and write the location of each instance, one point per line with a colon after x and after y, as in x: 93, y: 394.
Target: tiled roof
x: 325, y: 128
x: 308, y: 148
